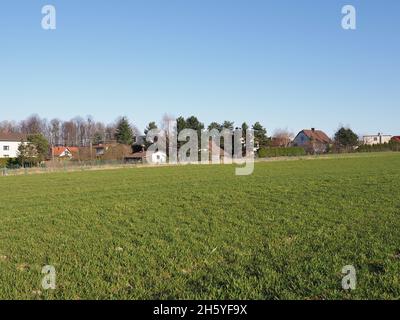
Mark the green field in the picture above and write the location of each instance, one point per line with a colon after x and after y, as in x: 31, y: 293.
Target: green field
x: 200, y: 232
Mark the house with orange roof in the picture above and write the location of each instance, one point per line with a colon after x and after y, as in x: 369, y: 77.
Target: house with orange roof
x: 396, y: 139
x: 64, y: 152
x: 314, y: 141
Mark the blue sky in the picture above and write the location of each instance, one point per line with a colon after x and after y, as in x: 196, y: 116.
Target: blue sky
x: 287, y: 64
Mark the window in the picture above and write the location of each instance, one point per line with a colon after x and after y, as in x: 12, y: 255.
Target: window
x: 6, y: 148
x: 375, y: 139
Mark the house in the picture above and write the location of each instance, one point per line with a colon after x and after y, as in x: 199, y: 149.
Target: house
x: 9, y: 143
x: 111, y: 150
x: 64, y: 152
x: 101, y: 149
x: 139, y: 140
x: 313, y: 141
x: 136, y: 157
x: 371, y: 140
x: 396, y: 139
x: 158, y: 157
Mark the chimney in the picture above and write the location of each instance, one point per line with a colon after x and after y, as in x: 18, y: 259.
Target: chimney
x: 313, y: 129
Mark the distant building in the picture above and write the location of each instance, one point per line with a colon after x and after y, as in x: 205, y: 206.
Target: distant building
x: 111, y: 150
x: 136, y: 157
x: 139, y: 140
x: 396, y: 139
x: 64, y: 152
x: 314, y: 141
x: 371, y: 140
x: 9, y: 143
x: 101, y: 149
x: 107, y: 151
x: 157, y: 157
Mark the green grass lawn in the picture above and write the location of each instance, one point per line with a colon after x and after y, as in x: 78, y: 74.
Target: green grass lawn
x: 200, y: 232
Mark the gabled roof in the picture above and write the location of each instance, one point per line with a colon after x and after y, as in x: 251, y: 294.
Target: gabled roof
x: 317, y: 135
x: 14, y: 137
x: 57, y: 151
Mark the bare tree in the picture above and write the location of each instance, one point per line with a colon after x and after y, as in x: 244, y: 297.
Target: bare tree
x: 90, y: 129
x: 32, y: 125
x: 110, y: 132
x: 9, y: 127
x: 68, y: 130
x: 282, y: 138
x: 55, y: 129
x: 75, y: 132
x: 100, y: 131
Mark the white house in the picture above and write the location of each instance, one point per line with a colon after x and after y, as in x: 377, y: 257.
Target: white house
x: 376, y: 139
x: 9, y: 143
x: 158, y: 157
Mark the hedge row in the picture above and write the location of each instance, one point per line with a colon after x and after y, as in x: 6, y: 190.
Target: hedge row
x: 9, y: 163
x: 281, y: 152
x: 3, y: 162
x: 391, y: 146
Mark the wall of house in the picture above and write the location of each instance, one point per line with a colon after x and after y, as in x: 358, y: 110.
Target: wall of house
x: 376, y: 139
x: 12, y: 147
x: 301, y: 140
x: 158, y: 158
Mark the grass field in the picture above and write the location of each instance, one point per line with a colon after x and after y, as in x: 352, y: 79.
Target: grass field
x: 200, y: 232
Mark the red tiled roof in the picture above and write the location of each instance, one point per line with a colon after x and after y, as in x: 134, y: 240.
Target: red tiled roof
x: 396, y: 138
x: 317, y: 135
x: 57, y: 151
x: 12, y: 137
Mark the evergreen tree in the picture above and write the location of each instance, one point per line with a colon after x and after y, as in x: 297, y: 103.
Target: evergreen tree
x: 41, y: 145
x: 180, y: 124
x: 97, y: 138
x: 214, y: 125
x: 260, y: 135
x: 124, y: 133
x: 194, y: 123
x: 245, y: 127
x: 228, y: 125
x: 346, y: 138
x: 151, y: 126
x: 27, y: 154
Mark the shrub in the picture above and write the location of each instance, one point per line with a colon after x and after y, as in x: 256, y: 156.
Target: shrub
x: 391, y: 146
x: 281, y: 152
x: 3, y: 163
x: 9, y: 163
x: 262, y: 152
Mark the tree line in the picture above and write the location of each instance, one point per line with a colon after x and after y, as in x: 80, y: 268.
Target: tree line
x: 83, y: 132
x: 77, y: 132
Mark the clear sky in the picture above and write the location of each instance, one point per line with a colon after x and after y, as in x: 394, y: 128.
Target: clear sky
x: 286, y: 63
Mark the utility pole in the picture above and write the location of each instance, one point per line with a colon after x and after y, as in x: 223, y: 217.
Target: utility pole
x: 52, y: 154
x: 91, y: 151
